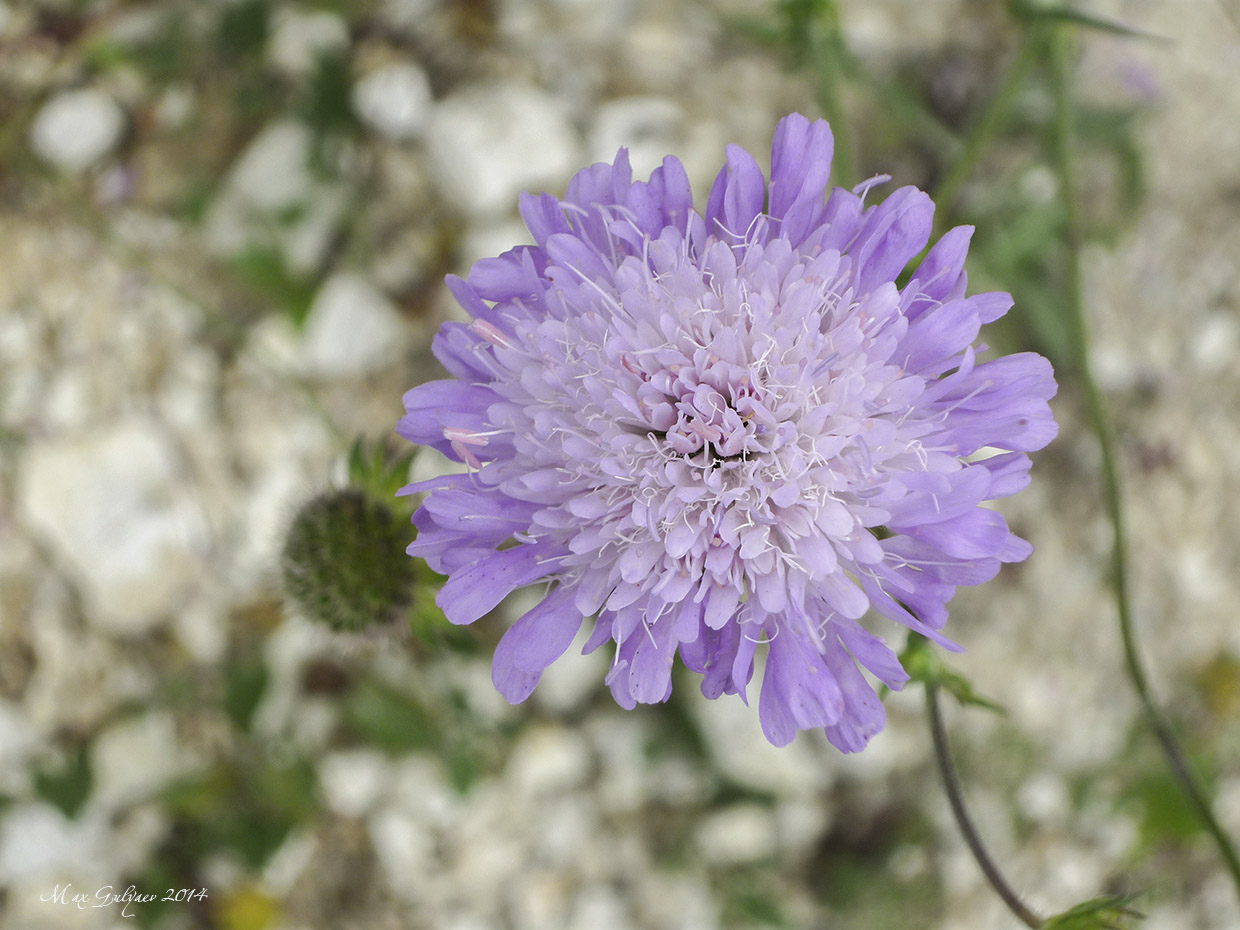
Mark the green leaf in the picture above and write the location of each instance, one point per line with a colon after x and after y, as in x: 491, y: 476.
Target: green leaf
x: 1167, y: 816
x: 328, y: 106
x: 1109, y: 912
x: 390, y: 720
x: 247, y: 805
x: 68, y: 785
x: 242, y: 30
x: 1065, y: 14
x: 244, y: 687
x: 924, y: 665
x: 378, y: 468
x: 263, y: 270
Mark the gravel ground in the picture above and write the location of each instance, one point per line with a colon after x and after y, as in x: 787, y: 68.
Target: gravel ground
x: 161, y: 422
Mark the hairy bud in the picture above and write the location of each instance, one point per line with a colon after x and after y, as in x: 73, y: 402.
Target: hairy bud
x: 344, y: 561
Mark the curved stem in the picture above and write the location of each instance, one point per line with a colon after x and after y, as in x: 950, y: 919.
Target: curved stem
x: 955, y: 796
x: 1112, y: 489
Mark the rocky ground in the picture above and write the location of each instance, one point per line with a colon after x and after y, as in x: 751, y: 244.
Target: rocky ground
x: 217, y: 269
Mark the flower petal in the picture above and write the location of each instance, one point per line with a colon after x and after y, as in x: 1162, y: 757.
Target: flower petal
x: 799, y: 690
x: 532, y: 643
x: 478, y: 588
x: 736, y: 198
x: 800, y: 169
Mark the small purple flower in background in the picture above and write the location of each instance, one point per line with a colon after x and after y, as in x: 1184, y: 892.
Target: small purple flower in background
x: 718, y: 432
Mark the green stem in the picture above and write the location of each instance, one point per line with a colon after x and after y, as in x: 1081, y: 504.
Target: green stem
x: 983, y: 131
x: 955, y: 797
x: 829, y: 54
x: 1112, y: 490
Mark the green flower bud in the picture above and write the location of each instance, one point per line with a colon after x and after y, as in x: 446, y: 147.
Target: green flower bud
x: 344, y: 561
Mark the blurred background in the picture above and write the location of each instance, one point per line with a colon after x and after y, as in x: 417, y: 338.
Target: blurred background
x: 224, y: 228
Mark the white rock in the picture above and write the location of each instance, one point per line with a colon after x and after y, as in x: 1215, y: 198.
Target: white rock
x: 316, y: 720
x: 17, y: 740
x: 405, y: 851
x: 186, y: 397
x: 492, y: 848
x: 676, y: 781
x: 734, y: 733
x: 1168, y: 917
x: 647, y: 126
x: 680, y: 900
x: 272, y: 200
x: 419, y: 788
x: 598, y: 907
x: 115, y: 507
x: 133, y: 759
x: 617, y: 740
x: 569, y: 681
x: 273, y: 345
x: 268, y: 511
x: 353, y: 781
x: 1075, y: 874
x: 566, y: 825
x: 68, y: 401
x: 306, y: 242
x: 407, y: 14
x: 79, y: 679
x: 467, y: 922
x: 800, y: 823
x: 431, y: 463
x: 575, y: 22
x: 286, y: 449
x: 289, y: 863
x: 472, y: 679
x: 394, y: 100
x: 549, y: 760
x: 175, y: 107
x: 540, y: 901
x: 299, y: 39
x: 489, y: 240
x: 136, y: 831
x: 1227, y: 805
x: 198, y: 628
x: 289, y: 647
x: 76, y: 128
x: 352, y: 329
x: 19, y: 335
x: 736, y: 835
x: 1044, y: 798
x: 908, y: 861
x: 489, y: 142
x: 1215, y: 345
x: 38, y: 841
x: 273, y: 172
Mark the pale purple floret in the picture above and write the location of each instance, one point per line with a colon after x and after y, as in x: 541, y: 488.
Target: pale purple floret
x: 724, y: 433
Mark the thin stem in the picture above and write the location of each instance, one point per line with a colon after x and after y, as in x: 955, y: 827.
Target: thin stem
x: 1112, y: 487
x: 955, y: 796
x: 984, y: 130
x: 829, y: 67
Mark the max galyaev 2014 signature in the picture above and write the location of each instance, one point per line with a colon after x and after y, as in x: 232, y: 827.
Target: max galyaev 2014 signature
x: 107, y: 896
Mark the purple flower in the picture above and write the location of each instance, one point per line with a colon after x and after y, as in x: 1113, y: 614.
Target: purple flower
x: 716, y: 432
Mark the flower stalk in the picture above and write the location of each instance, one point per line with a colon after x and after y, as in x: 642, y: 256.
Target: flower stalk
x: 1060, y: 71
x: 955, y: 797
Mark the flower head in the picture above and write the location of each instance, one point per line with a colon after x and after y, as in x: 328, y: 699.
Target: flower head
x: 725, y: 432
